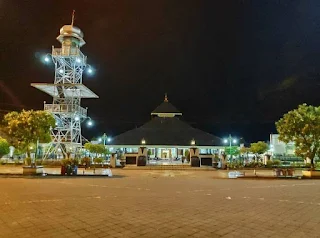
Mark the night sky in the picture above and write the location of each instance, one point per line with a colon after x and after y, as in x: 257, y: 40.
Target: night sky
x: 229, y: 66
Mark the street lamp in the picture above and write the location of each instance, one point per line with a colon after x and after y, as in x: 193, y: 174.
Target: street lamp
x: 46, y: 58
x: 104, y: 138
x: 230, y: 140
x: 89, y: 122
x: 90, y: 70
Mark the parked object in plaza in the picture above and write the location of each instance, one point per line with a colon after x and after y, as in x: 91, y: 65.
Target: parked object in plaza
x: 284, y: 172
x: 69, y: 170
x: 311, y: 173
x: 32, y: 170
x: 235, y: 174
x: 107, y: 172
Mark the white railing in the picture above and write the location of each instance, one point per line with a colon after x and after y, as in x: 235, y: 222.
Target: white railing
x: 65, y: 108
x: 67, y: 51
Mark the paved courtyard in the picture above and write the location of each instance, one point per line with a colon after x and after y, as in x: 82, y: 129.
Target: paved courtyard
x: 158, y: 204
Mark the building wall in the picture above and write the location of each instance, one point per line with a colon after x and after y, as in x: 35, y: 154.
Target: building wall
x: 278, y: 147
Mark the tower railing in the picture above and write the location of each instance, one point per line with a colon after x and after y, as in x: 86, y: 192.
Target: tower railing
x: 66, y: 108
x: 67, y: 51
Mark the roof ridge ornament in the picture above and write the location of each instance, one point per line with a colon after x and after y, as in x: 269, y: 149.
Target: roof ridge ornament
x: 72, y: 19
x: 166, y: 97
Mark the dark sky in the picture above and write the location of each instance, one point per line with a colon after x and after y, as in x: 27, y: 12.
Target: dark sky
x: 229, y: 66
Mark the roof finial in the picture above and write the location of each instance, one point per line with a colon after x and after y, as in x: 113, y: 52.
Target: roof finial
x: 72, y: 20
x: 165, y: 97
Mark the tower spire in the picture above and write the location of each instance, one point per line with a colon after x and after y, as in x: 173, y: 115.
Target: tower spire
x: 165, y: 97
x: 72, y: 19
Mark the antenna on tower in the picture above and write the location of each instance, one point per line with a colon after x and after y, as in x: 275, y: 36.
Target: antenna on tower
x: 72, y: 20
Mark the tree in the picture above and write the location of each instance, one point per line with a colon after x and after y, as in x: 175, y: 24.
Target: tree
x: 95, y: 148
x: 233, y: 150
x: 244, y: 151
x: 4, y: 147
x: 258, y: 148
x: 302, y: 126
x: 27, y: 127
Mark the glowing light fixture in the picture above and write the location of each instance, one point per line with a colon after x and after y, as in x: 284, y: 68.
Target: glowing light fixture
x: 90, y: 123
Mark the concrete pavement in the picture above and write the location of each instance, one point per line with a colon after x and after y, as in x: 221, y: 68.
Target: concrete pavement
x: 158, y: 204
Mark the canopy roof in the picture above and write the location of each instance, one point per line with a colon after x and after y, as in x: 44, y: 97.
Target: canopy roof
x: 166, y: 131
x: 69, y: 90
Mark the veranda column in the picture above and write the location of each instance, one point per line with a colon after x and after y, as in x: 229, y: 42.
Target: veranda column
x: 194, y: 156
x: 142, y: 156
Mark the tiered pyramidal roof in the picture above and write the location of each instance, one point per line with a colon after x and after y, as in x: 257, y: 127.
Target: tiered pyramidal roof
x: 166, y: 128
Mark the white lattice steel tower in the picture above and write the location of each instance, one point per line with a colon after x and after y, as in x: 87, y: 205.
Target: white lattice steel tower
x: 67, y: 92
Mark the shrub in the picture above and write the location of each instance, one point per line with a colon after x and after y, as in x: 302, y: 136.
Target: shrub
x: 298, y: 164
x: 70, y: 162
x: 235, y: 165
x: 273, y: 163
x: 308, y: 165
x: 27, y: 161
x: 98, y: 160
x: 276, y: 162
x: 75, y: 161
x: 86, y: 161
x: 269, y: 164
x: 65, y: 162
x: 17, y: 162
x: 254, y: 164
x: 55, y: 163
x: 45, y: 162
x: 51, y: 162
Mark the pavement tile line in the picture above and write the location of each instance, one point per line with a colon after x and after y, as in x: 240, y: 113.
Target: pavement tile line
x: 283, y: 185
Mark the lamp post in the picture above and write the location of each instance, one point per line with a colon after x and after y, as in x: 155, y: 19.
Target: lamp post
x: 104, y: 138
x: 230, y: 140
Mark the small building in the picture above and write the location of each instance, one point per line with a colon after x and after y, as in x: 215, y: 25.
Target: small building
x: 166, y: 139
x: 278, y: 147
